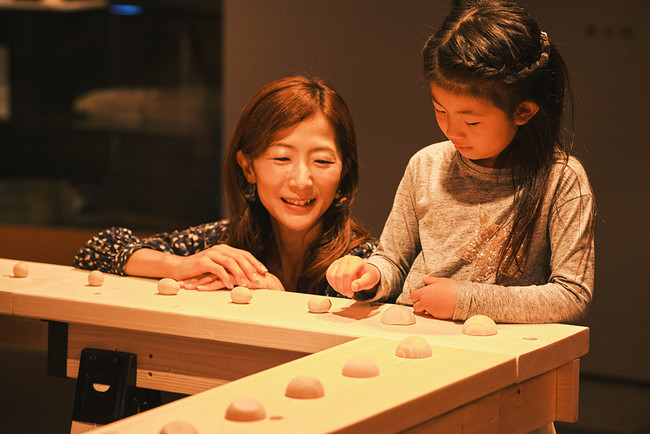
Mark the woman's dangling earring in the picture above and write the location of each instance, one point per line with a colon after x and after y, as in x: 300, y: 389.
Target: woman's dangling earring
x: 250, y: 193
x: 339, y: 200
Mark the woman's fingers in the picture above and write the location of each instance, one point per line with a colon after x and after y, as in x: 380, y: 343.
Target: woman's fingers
x: 248, y: 262
x: 241, y: 264
x: 213, y: 285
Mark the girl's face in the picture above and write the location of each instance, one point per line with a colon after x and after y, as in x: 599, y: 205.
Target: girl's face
x: 478, y: 129
x: 298, y: 174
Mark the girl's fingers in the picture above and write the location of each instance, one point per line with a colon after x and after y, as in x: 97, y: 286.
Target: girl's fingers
x: 363, y: 282
x: 333, y: 276
x: 430, y: 280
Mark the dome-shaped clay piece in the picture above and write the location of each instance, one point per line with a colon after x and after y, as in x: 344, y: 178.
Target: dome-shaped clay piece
x: 241, y: 295
x: 304, y: 387
x: 21, y: 269
x: 413, y: 347
x: 319, y: 304
x: 398, y: 315
x: 245, y: 410
x: 168, y: 286
x: 360, y: 367
x: 179, y: 427
x: 95, y: 278
x: 479, y: 325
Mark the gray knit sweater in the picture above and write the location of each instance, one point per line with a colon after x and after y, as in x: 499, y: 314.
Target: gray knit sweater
x: 449, y: 219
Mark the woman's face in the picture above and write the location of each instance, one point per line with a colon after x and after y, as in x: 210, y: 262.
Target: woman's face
x: 298, y: 174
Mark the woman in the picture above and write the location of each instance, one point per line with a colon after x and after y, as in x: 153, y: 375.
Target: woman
x: 290, y: 176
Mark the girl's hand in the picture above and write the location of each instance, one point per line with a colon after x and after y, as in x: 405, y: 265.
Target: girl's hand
x: 438, y: 297
x: 229, y: 265
x: 351, y: 274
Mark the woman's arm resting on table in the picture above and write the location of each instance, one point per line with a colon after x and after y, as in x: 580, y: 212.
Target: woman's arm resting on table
x: 230, y: 265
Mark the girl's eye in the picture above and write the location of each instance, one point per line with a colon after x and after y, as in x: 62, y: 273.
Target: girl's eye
x: 280, y: 158
x: 472, y: 124
x: 442, y: 112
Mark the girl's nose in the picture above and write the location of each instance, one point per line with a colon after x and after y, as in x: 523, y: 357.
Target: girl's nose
x: 452, y: 129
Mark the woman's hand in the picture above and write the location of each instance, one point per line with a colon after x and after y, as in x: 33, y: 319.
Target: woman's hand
x: 438, y: 297
x: 351, y: 274
x: 210, y: 282
x: 227, y: 264
x: 268, y: 281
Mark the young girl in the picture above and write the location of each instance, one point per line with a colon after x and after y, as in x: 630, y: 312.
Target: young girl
x: 290, y: 174
x: 499, y: 220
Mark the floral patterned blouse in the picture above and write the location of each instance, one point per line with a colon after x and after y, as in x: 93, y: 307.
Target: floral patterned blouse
x: 109, y: 250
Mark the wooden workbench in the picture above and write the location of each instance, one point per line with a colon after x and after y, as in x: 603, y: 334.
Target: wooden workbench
x: 522, y: 378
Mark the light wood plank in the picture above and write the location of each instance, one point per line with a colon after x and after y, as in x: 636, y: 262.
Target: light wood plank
x: 173, y: 363
x: 406, y: 393
x: 529, y: 405
x: 520, y: 408
x: 6, y: 302
x: 77, y: 427
x: 478, y: 417
x: 127, y: 314
x: 276, y: 320
x: 568, y: 380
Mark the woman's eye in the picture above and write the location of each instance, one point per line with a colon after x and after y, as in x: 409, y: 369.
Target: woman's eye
x: 324, y: 162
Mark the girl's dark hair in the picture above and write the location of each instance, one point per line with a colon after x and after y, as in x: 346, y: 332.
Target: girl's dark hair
x: 494, y: 50
x: 274, y: 107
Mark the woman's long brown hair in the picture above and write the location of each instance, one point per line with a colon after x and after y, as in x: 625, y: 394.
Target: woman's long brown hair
x: 273, y: 108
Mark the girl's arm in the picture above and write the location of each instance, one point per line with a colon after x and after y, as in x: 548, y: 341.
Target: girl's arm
x: 399, y: 243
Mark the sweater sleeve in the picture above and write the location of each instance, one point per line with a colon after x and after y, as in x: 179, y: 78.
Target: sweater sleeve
x: 569, y: 290
x: 110, y: 249
x: 399, y: 243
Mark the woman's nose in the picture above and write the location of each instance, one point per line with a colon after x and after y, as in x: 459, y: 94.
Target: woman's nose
x: 301, y: 176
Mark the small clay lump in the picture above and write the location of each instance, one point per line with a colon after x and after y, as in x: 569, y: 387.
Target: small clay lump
x: 168, y: 286
x: 319, y: 304
x: 95, y: 278
x: 241, y: 295
x: 21, y: 269
x: 305, y: 387
x: 245, y: 410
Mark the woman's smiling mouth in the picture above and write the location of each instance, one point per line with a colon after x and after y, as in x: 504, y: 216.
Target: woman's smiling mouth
x: 297, y: 202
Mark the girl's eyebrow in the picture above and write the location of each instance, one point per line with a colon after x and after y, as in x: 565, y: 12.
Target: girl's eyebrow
x: 462, y: 112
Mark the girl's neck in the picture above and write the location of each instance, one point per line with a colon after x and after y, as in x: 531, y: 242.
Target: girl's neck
x: 287, y: 255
